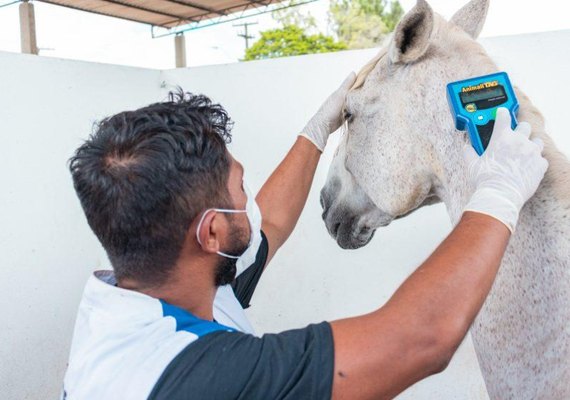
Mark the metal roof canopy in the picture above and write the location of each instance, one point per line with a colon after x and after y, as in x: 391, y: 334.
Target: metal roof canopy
x: 173, y: 17
x: 167, y: 13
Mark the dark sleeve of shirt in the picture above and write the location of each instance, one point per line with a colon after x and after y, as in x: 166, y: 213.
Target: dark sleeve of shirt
x: 245, y: 284
x: 292, y: 365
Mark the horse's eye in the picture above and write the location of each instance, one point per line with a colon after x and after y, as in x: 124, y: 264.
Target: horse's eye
x: 347, y: 116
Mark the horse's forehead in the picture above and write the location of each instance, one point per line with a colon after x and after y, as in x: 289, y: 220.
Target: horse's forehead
x: 364, y: 98
x: 385, y: 76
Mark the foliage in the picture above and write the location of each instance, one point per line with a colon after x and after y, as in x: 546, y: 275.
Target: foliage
x: 364, y: 23
x: 290, y: 40
x: 357, y: 24
x: 378, y: 7
x: 292, y: 15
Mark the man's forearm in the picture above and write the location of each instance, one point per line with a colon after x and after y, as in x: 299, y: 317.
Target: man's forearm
x: 283, y: 196
x: 449, y: 288
x: 420, y: 327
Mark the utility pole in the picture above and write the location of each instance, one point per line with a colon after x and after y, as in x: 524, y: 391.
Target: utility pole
x: 28, y: 28
x: 246, y: 34
x: 180, y: 50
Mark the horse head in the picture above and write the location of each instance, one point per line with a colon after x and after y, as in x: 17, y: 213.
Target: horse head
x: 399, y: 135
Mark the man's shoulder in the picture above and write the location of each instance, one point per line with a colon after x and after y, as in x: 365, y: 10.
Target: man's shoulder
x: 125, y: 336
x: 295, y: 364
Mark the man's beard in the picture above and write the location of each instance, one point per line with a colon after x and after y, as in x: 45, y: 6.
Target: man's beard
x: 238, y: 243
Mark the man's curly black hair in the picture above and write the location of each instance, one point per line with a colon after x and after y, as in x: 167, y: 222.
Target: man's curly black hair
x: 143, y: 176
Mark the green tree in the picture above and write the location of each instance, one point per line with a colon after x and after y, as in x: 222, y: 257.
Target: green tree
x: 293, y: 14
x: 364, y: 23
x: 392, y: 17
x: 290, y: 40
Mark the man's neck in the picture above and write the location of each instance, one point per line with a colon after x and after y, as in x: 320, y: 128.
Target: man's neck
x: 196, y: 301
x: 192, y: 292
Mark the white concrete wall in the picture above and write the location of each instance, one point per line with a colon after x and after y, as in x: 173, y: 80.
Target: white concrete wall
x: 47, y: 106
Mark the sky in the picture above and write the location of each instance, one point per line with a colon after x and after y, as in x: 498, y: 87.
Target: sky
x: 66, y: 33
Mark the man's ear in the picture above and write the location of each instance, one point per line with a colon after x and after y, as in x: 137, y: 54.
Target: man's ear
x: 207, y: 233
x: 412, y: 34
x: 471, y: 17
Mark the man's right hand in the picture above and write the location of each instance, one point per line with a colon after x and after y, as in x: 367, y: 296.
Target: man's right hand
x: 508, y: 173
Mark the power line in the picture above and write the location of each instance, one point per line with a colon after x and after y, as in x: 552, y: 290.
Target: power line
x: 246, y: 13
x: 9, y: 4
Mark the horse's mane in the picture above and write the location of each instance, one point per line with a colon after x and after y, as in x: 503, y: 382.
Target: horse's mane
x: 367, y: 68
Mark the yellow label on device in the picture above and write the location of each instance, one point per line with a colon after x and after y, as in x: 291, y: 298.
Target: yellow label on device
x: 480, y: 86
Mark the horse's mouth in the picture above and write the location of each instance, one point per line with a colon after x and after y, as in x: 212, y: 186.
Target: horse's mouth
x: 354, y: 242
x: 350, y: 228
x: 349, y: 237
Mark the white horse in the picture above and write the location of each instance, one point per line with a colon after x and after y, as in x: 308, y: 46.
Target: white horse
x: 401, y: 151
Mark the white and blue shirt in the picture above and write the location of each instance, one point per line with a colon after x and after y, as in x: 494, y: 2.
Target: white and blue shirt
x: 127, y: 345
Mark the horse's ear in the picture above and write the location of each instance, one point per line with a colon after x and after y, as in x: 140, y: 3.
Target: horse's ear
x: 471, y: 17
x: 412, y: 34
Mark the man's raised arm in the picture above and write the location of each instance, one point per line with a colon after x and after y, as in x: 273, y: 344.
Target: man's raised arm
x: 283, y: 196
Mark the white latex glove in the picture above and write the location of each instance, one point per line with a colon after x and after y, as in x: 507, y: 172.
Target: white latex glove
x: 508, y: 173
x: 329, y: 117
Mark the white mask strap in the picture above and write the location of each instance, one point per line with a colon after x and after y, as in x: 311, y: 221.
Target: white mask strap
x: 222, y: 210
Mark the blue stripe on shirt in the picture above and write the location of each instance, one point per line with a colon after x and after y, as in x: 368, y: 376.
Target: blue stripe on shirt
x: 190, y: 323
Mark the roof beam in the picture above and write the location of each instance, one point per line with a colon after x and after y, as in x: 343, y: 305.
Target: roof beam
x: 263, y: 3
x: 197, y: 6
x: 174, y: 30
x: 150, y: 10
x: 78, y: 8
x: 187, y: 12
x: 246, y: 5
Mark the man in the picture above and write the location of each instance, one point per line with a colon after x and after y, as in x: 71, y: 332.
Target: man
x: 188, y: 243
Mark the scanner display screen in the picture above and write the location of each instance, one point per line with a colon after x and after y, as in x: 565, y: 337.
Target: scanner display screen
x: 483, y: 94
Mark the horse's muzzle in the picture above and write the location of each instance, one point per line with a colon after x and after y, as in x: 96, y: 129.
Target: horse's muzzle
x: 345, y: 228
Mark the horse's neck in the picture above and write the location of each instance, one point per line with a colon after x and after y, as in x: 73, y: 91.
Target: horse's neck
x: 552, y: 199
x: 546, y: 216
x: 521, y: 335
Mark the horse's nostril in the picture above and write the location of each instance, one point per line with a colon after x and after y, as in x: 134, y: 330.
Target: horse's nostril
x: 335, y: 228
x: 323, y: 201
x: 324, y: 206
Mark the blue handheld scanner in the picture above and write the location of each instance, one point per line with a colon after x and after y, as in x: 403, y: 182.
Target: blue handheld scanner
x: 474, y: 104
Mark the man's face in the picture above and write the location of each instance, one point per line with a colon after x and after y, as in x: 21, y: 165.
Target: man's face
x: 238, y: 226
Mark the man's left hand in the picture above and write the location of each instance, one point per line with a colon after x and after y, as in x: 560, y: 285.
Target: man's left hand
x: 329, y: 117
